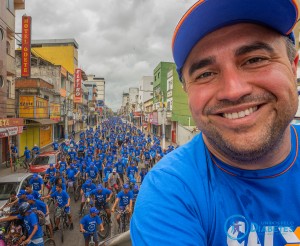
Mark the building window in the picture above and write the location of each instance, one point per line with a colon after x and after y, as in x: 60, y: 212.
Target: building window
x: 7, y: 47
x: 1, y: 34
x: 151, y: 83
x: 1, y: 81
x: 151, y: 94
x: 10, y: 6
x: 158, y: 75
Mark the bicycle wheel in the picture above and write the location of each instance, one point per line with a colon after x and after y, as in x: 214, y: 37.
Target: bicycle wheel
x: 62, y: 229
x: 123, y: 223
x: 49, y: 242
x: 106, y: 224
x: 77, y: 193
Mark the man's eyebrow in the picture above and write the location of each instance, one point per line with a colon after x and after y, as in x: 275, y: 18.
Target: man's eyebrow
x: 253, y: 47
x: 201, y: 63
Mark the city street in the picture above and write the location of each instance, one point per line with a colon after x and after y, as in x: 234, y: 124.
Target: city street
x: 72, y: 237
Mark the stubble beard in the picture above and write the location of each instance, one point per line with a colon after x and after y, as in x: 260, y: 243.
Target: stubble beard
x: 256, y: 148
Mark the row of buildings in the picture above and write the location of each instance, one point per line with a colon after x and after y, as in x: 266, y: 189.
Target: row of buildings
x: 46, y: 104
x: 159, y: 105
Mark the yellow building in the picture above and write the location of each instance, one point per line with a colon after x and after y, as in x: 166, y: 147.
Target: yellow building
x: 62, y: 52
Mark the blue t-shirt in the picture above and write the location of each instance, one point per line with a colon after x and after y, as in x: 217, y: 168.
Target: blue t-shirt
x: 71, y: 172
x: 61, y: 197
x: 88, y: 188
x: 132, y: 170
x: 124, y: 198
x: 90, y: 223
x: 39, y: 205
x: 30, y: 221
x: 206, y: 202
x: 100, y: 197
x: 27, y: 154
x: 36, y: 183
x: 120, y: 167
x: 51, y: 172
x: 35, y: 194
x: 92, y: 172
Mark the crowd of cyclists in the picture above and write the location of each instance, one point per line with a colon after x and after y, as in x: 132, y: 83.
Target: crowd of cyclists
x: 103, y: 170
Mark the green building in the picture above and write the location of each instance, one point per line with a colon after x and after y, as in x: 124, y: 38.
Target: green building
x: 170, y: 105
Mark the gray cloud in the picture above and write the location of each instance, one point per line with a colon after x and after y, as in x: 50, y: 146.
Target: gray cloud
x: 118, y: 40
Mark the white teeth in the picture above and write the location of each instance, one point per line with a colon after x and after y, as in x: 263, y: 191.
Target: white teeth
x: 240, y: 114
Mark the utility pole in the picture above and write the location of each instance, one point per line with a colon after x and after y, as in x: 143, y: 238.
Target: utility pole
x: 66, y: 119
x: 163, y: 123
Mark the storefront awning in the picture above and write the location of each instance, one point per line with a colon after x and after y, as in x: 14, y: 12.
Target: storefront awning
x: 41, y: 121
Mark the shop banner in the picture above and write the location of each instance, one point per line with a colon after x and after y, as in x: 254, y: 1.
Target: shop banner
x: 26, y: 106
x: 55, y: 112
x: 33, y: 107
x: 26, y: 46
x: 41, y: 108
x: 10, y: 131
x: 77, y: 86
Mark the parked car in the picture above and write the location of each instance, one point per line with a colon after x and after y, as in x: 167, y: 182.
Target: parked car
x: 42, y: 162
x: 16, y: 182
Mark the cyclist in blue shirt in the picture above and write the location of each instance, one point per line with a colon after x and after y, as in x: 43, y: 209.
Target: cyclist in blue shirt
x: 27, y: 155
x: 50, y: 172
x: 101, y: 197
x: 89, y: 224
x: 99, y: 166
x: 124, y: 200
x: 132, y: 171
x: 35, y: 151
x: 63, y: 202
x: 55, y: 145
x: 30, y: 219
x: 92, y: 173
x: 29, y: 191
x: 72, y: 174
x: 37, y: 183
x: 43, y: 207
x: 87, y: 187
x: 120, y: 166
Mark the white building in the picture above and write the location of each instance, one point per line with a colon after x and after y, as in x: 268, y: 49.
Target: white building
x: 93, y: 81
x: 145, y: 91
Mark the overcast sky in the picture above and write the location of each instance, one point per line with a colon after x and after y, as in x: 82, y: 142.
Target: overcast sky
x: 120, y: 40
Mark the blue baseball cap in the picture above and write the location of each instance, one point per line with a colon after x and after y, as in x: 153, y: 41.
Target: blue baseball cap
x: 21, y: 192
x: 206, y: 16
x: 126, y: 186
x: 88, y: 181
x: 99, y: 187
x: 35, y: 176
x: 94, y: 210
x: 51, y: 165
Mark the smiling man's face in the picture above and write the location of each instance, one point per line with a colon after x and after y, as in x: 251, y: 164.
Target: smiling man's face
x: 242, y: 90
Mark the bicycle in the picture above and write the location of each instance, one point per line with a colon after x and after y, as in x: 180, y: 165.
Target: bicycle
x: 86, y: 206
x: 91, y: 242
x: 124, y: 221
x: 63, y: 223
x: 105, y: 221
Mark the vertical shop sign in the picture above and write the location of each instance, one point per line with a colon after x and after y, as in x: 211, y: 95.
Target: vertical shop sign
x: 77, y: 89
x: 26, y: 46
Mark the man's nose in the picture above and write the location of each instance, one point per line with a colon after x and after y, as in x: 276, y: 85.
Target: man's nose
x: 234, y: 84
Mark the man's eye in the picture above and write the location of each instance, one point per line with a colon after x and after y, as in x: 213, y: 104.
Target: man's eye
x: 255, y: 60
x: 204, y: 75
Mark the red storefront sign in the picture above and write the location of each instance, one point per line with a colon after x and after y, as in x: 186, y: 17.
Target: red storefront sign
x: 26, y: 46
x: 77, y: 89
